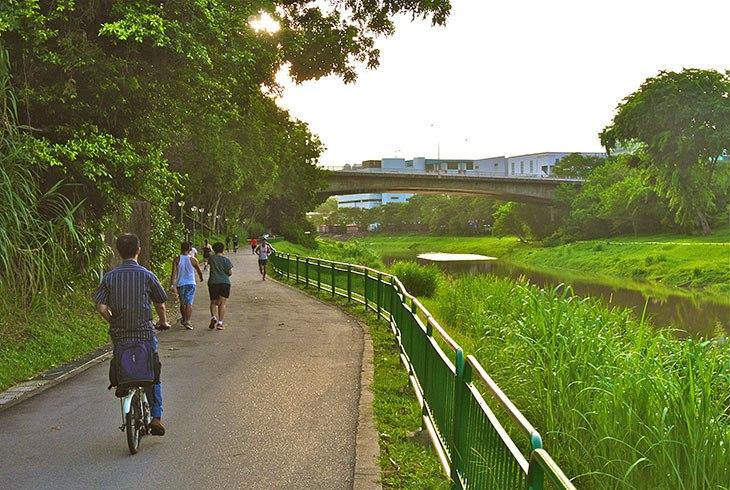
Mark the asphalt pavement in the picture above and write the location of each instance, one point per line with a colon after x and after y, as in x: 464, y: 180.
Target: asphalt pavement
x: 269, y: 402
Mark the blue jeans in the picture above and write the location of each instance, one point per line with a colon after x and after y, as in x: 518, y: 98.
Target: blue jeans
x: 154, y: 393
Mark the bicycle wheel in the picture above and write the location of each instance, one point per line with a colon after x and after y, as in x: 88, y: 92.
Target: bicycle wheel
x: 133, y: 421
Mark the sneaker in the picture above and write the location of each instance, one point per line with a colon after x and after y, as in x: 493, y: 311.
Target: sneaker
x: 156, y: 427
x: 219, y: 326
x: 188, y: 325
x: 213, y: 321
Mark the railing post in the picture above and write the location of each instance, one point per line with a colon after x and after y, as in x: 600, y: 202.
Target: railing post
x: 319, y: 274
x: 333, y: 279
x: 393, y: 297
x: 306, y: 272
x: 349, y: 282
x: 535, y: 473
x: 379, y: 292
x: 463, y: 377
x: 365, y: 288
x: 426, y: 374
x: 297, y: 274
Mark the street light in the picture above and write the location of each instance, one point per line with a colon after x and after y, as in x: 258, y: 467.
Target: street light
x: 181, y: 204
x: 194, y: 210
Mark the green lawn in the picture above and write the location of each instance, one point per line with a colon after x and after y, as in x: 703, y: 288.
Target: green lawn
x: 407, y: 246
x: 693, y: 262
x: 49, y: 334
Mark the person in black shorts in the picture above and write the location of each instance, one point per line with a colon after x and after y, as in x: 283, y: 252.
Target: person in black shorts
x: 219, y: 285
x: 207, y: 252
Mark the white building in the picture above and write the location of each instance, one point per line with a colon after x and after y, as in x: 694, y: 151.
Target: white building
x: 538, y: 164
x: 369, y: 201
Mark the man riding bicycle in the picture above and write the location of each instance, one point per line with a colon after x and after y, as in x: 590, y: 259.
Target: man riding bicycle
x: 123, y: 299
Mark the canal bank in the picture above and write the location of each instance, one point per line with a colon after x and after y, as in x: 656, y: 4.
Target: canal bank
x: 603, y: 269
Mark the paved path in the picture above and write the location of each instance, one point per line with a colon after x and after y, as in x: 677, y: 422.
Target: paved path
x: 270, y: 402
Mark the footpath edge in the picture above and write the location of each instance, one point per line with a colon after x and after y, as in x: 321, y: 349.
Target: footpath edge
x: 367, y: 440
x: 52, y: 377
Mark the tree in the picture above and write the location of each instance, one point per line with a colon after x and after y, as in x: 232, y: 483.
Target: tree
x: 683, y: 121
x: 616, y: 198
x: 170, y: 100
x: 577, y: 165
x: 509, y: 221
x: 527, y: 222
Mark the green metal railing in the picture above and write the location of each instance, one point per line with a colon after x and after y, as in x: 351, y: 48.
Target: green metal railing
x: 473, y: 446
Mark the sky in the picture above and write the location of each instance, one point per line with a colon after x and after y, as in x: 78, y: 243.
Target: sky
x: 507, y: 77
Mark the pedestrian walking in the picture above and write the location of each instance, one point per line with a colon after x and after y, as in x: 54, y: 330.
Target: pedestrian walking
x: 228, y: 243
x: 219, y: 285
x: 263, y: 251
x: 207, y: 252
x: 182, y: 278
x: 254, y: 244
x: 235, y: 243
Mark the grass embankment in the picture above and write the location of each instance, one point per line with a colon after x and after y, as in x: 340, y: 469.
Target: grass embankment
x: 696, y: 262
x: 404, y: 462
x: 47, y: 334
x: 620, y: 404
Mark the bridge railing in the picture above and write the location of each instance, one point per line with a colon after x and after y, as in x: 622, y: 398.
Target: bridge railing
x: 472, y: 444
x: 449, y: 173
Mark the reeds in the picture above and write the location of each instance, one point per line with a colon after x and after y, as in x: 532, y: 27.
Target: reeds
x: 620, y: 403
x: 37, y: 228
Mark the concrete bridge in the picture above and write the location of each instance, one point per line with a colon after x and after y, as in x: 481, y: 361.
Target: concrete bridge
x: 520, y: 189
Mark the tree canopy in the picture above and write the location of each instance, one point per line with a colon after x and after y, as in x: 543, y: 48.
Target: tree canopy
x: 683, y: 121
x: 177, y: 100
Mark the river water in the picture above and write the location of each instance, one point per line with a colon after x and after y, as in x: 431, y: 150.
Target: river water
x: 696, y: 315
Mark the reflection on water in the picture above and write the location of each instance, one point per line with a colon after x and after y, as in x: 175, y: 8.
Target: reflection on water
x: 695, y: 315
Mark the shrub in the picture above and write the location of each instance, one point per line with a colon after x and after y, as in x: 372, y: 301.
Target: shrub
x: 419, y: 280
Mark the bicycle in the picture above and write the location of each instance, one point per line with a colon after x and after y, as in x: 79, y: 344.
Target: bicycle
x: 136, y: 417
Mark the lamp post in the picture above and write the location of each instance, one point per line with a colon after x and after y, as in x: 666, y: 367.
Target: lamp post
x: 194, y: 210
x: 217, y: 223
x: 181, y: 205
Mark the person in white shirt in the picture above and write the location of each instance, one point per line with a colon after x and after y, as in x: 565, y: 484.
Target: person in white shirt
x: 263, y: 250
x: 184, y: 267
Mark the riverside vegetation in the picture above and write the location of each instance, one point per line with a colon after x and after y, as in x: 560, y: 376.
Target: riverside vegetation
x: 689, y: 262
x: 620, y: 403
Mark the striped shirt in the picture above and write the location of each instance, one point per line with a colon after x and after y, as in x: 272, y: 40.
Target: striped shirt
x: 127, y: 291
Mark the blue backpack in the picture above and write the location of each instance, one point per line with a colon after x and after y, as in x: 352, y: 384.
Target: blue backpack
x: 135, y: 363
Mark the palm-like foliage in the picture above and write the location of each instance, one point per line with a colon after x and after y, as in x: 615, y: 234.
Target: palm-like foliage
x: 37, y: 228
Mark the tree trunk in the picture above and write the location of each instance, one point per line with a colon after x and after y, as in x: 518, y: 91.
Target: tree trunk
x: 215, y: 211
x: 702, y: 220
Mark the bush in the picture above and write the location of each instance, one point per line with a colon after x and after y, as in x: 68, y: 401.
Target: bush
x: 419, y: 280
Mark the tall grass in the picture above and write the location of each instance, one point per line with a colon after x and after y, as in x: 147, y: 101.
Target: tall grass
x: 37, y: 228
x: 620, y: 404
x: 420, y: 280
